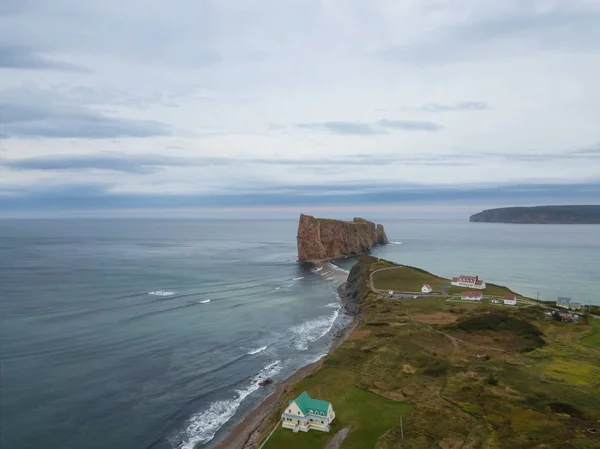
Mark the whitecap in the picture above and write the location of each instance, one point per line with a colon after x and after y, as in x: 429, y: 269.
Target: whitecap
x: 396, y: 243
x: 312, y: 330
x: 290, y: 285
x: 335, y: 267
x: 277, y: 288
x: 203, y: 426
x: 298, y: 279
x: 316, y: 270
x: 256, y: 351
x: 161, y: 293
x: 332, y: 278
x: 205, y: 301
x: 333, y: 305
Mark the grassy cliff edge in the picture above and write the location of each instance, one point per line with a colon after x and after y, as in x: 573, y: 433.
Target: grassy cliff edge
x: 459, y: 374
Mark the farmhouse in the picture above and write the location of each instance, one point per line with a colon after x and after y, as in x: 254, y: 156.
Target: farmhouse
x: 426, y: 288
x: 567, y: 303
x: 305, y: 413
x: 468, y: 281
x: 495, y: 301
x: 510, y: 301
x: 471, y: 296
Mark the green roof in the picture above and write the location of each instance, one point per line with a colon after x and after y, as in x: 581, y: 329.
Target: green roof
x: 306, y: 404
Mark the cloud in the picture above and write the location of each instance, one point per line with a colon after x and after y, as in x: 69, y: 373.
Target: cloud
x: 410, y: 125
x: 368, y: 129
x: 87, y: 197
x: 14, y: 57
x: 460, y: 106
x: 37, y: 113
x: 343, y: 128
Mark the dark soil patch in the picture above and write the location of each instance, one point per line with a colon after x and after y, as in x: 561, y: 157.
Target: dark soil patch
x: 384, y: 335
x: 379, y: 324
x: 502, y: 321
x: 561, y: 407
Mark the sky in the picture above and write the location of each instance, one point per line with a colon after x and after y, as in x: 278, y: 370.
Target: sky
x: 279, y: 107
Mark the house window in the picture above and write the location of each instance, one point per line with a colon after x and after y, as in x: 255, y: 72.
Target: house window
x: 298, y: 412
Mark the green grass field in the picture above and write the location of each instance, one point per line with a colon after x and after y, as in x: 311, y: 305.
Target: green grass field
x: 369, y: 415
x: 537, y: 386
x: 593, y: 339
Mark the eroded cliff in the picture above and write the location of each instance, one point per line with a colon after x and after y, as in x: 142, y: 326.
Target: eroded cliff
x: 324, y: 238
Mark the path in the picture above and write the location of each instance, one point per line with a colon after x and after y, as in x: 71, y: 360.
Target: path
x: 338, y: 439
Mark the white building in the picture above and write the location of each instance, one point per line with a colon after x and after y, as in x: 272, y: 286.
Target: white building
x: 305, y: 413
x: 510, y: 301
x: 471, y: 296
x: 426, y: 288
x: 468, y: 281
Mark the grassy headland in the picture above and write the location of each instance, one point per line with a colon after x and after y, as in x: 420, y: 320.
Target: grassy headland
x: 461, y: 375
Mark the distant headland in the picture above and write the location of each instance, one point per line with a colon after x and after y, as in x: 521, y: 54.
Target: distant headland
x: 324, y: 238
x: 589, y: 214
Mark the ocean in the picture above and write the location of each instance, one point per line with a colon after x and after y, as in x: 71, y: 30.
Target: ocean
x: 156, y: 333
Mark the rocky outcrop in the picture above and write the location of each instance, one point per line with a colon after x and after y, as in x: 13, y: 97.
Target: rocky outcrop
x: 324, y: 238
x: 355, y: 289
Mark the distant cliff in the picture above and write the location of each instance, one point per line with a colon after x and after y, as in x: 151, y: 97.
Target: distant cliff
x: 323, y: 238
x: 541, y: 214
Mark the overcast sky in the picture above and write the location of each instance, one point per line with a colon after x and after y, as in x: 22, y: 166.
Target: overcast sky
x: 291, y: 105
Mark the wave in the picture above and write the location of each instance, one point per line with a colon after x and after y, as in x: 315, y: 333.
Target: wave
x: 335, y: 267
x: 290, y: 285
x: 333, y: 305
x: 161, y: 293
x: 332, y: 278
x: 202, y: 427
x: 205, y: 301
x: 316, y: 270
x: 277, y: 288
x: 396, y: 243
x: 256, y: 351
x: 298, y: 279
x: 312, y: 330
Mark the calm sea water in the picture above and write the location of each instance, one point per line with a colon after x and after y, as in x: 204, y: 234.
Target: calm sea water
x: 90, y: 358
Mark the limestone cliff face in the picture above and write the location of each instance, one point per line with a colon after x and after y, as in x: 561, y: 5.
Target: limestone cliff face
x: 323, y: 238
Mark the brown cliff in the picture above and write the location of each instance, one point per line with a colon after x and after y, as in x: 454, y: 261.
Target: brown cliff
x: 324, y: 238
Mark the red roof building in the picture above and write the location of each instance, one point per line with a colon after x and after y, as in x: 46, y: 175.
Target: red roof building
x: 471, y: 296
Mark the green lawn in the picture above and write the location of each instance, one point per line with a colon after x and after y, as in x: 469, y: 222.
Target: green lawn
x: 407, y: 279
x: 369, y: 415
x: 593, y: 339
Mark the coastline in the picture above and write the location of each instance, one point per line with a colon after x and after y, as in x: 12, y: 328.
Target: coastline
x: 246, y: 434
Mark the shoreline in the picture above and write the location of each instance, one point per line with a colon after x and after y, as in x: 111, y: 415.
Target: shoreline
x: 246, y: 434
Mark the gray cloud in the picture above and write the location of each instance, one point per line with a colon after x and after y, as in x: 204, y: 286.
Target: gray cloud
x: 366, y: 129
x: 516, y: 34
x: 15, y: 57
x: 343, y: 128
x: 148, y: 163
x: 460, y: 106
x: 39, y: 114
x: 409, y: 125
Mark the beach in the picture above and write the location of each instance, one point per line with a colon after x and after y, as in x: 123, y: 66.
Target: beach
x: 246, y: 434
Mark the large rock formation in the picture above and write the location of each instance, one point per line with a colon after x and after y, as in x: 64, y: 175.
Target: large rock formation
x: 324, y: 238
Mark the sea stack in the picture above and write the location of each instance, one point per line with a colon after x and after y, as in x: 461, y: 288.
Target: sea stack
x: 324, y: 238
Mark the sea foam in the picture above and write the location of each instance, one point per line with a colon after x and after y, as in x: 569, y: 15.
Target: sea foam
x: 203, y: 426
x: 161, y: 293
x: 205, y: 301
x: 256, y: 351
x: 312, y: 330
x: 335, y: 267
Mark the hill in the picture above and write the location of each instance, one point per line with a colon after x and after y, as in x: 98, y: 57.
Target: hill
x: 589, y: 214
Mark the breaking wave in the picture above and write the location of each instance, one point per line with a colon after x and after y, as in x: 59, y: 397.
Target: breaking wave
x: 333, y: 305
x: 396, y: 243
x: 297, y: 279
x: 161, y: 293
x: 335, y: 267
x: 316, y: 270
x: 205, y: 301
x: 256, y: 351
x: 203, y: 426
x: 312, y: 330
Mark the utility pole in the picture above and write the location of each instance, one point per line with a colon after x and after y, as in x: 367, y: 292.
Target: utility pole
x: 401, y: 428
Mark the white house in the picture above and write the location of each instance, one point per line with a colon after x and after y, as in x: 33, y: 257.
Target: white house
x: 305, y: 413
x: 471, y: 296
x: 390, y: 293
x: 510, y: 301
x: 495, y: 301
x: 468, y: 281
x: 426, y: 288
